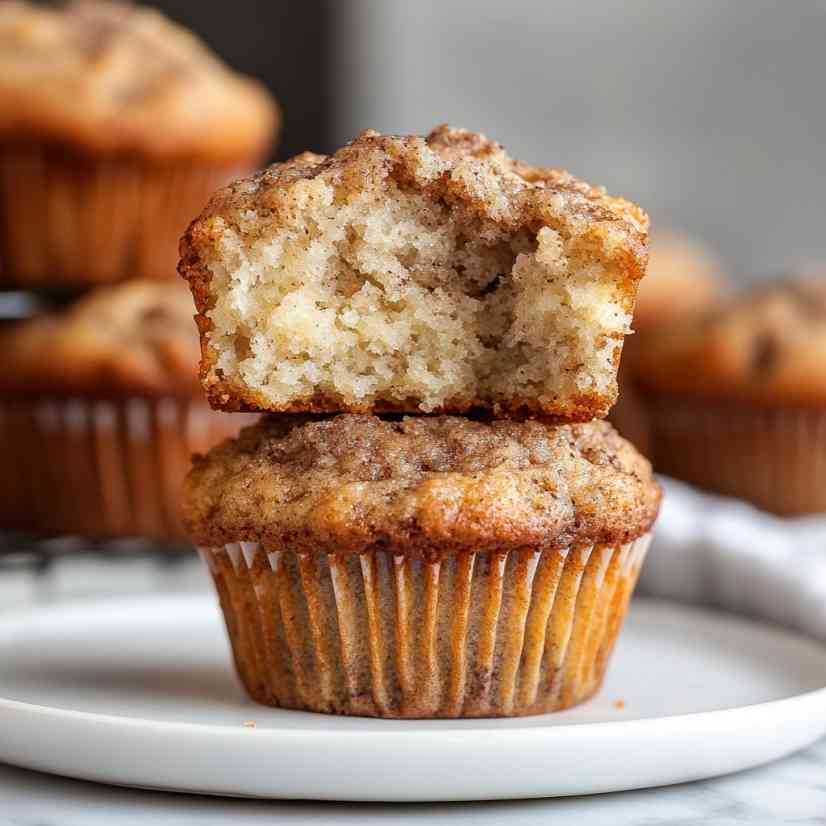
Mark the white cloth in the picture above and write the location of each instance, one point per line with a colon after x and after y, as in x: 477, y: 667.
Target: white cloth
x: 726, y: 553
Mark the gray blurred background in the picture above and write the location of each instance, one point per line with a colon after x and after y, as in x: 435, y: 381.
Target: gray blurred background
x: 708, y: 113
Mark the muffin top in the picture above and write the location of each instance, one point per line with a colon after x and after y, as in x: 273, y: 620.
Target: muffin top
x: 469, y: 171
x: 419, y: 486
x: 133, y: 338
x: 111, y: 76
x: 683, y: 278
x: 767, y: 347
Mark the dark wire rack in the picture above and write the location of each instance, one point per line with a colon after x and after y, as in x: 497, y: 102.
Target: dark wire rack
x: 38, y: 555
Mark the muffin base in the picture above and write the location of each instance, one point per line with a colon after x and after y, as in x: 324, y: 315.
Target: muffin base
x: 102, y: 469
x: 70, y: 218
x: 774, y: 458
x: 378, y: 635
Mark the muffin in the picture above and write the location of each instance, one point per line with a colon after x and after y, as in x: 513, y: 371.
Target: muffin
x: 422, y: 566
x: 100, y: 411
x: 405, y: 274
x: 115, y: 127
x: 683, y: 279
x: 737, y: 398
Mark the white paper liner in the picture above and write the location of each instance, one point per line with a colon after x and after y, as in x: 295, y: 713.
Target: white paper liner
x: 472, y: 635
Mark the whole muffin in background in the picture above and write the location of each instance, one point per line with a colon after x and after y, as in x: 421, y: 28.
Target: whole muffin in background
x: 100, y: 412
x: 684, y: 278
x: 411, y: 274
x: 424, y: 566
x: 116, y: 125
x: 737, y: 398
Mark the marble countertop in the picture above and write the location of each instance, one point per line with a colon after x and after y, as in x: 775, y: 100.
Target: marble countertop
x: 789, y: 791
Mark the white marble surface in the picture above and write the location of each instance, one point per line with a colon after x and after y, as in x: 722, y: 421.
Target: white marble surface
x: 790, y: 791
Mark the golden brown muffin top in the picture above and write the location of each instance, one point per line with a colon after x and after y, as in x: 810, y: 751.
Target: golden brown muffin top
x: 683, y: 278
x: 767, y: 347
x: 463, y: 169
x: 133, y: 338
x: 420, y: 486
x: 112, y: 76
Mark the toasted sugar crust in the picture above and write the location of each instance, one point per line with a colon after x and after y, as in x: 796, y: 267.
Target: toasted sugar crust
x: 114, y: 77
x: 767, y: 348
x: 133, y: 338
x: 420, y: 486
x: 496, y: 197
x: 475, y: 175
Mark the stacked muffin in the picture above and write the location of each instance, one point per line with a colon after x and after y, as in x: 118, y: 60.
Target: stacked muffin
x: 374, y: 555
x: 115, y: 126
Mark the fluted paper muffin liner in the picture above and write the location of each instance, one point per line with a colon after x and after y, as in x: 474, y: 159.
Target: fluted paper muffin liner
x: 70, y: 218
x: 772, y: 457
x: 100, y: 468
x: 471, y: 635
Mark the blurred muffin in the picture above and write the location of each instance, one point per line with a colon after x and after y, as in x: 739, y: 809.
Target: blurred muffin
x: 737, y: 398
x: 425, y: 566
x: 410, y: 274
x: 115, y: 127
x: 100, y: 411
x: 683, y: 279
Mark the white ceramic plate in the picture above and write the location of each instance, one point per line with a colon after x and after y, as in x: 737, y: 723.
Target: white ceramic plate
x: 139, y: 692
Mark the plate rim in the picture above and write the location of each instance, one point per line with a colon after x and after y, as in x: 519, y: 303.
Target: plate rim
x: 131, y: 742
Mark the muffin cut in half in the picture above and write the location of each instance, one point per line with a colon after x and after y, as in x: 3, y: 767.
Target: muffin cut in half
x: 430, y: 566
x: 414, y: 275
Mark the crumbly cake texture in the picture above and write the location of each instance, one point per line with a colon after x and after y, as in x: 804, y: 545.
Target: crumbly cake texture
x: 420, y: 486
x: 115, y: 77
x: 133, y: 338
x: 414, y: 274
x: 683, y: 278
x: 767, y: 347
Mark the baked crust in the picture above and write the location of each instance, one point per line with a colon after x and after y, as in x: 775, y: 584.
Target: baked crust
x: 420, y: 486
x: 135, y: 338
x: 114, y: 77
x: 767, y: 348
x: 495, y: 196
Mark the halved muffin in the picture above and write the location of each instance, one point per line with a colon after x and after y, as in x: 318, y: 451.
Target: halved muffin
x: 415, y: 275
x: 428, y: 566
